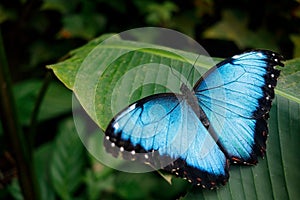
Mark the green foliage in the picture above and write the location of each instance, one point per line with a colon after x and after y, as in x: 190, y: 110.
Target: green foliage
x: 71, y: 65
x: 63, y: 173
x: 106, y: 83
x: 233, y: 26
x: 43, y: 162
x: 67, y: 162
x: 26, y: 93
x: 275, y: 169
x: 15, y: 190
x: 290, y: 80
x: 37, y: 33
x: 160, y: 14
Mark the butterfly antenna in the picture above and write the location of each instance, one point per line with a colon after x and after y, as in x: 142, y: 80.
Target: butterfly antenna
x: 193, y: 68
x: 175, y: 74
x: 190, y: 73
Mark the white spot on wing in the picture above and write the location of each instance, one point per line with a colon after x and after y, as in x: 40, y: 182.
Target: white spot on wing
x: 116, y: 125
x: 133, y: 106
x: 260, y: 55
x: 236, y: 56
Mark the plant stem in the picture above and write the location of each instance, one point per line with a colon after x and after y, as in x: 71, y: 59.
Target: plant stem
x: 36, y: 109
x: 13, y: 132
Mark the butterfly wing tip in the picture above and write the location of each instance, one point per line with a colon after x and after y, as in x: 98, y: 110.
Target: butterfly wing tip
x: 276, y: 58
x: 212, y: 185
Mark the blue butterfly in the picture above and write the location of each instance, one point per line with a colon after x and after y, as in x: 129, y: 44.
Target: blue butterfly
x: 197, y: 134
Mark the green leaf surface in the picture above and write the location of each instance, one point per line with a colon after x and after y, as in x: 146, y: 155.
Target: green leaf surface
x: 144, y: 65
x: 275, y: 176
x: 289, y: 81
x: 26, y: 93
x: 67, y: 163
x: 42, y: 158
x: 66, y: 71
x: 100, y: 178
x: 15, y: 190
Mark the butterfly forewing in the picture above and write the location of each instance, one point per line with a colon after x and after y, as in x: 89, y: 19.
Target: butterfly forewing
x: 164, y: 131
x: 236, y: 96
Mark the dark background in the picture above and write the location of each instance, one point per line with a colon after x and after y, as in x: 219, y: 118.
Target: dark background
x: 36, y: 33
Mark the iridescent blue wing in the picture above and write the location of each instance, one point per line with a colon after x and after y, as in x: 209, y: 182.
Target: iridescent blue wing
x: 164, y: 131
x: 236, y: 96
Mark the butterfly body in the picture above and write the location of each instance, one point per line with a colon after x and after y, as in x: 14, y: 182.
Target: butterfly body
x: 193, y: 102
x: 196, y: 134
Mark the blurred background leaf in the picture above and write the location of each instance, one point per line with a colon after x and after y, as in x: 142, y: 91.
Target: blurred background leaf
x: 67, y: 164
x: 26, y: 93
x: 233, y: 27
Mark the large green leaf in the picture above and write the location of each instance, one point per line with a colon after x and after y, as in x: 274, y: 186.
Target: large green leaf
x: 66, y: 71
x: 95, y: 74
x: 276, y: 176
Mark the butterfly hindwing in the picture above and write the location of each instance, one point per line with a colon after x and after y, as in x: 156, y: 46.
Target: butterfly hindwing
x: 165, y: 125
x: 236, y: 96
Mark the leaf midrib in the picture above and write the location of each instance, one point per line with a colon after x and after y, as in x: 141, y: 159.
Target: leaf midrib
x: 155, y: 50
x: 287, y: 96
